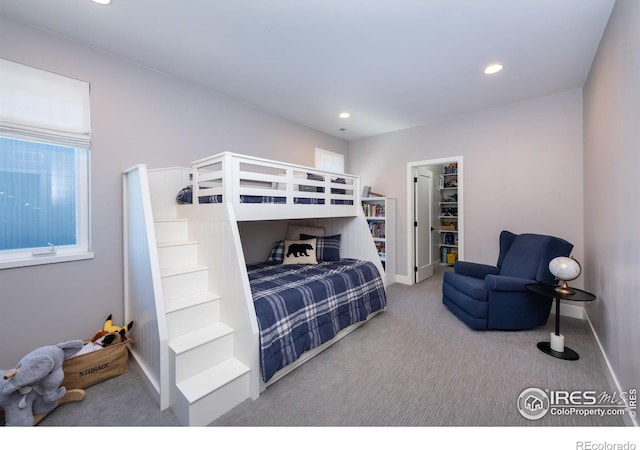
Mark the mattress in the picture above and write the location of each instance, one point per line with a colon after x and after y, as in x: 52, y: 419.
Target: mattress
x: 301, y: 306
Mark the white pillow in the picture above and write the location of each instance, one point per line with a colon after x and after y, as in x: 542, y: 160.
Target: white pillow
x: 294, y: 231
x: 300, y: 251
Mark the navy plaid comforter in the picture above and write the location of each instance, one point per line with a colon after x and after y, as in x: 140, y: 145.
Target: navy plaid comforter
x: 186, y: 195
x: 300, y: 307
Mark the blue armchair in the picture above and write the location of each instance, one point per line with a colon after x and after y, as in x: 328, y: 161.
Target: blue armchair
x: 495, y: 298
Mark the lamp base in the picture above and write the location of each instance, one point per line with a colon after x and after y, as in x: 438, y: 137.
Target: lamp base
x: 565, y: 289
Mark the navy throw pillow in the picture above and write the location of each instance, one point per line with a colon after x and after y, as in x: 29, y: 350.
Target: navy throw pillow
x: 327, y: 247
x: 277, y: 253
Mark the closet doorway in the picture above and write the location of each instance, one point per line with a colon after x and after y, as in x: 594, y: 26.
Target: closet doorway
x: 427, y: 247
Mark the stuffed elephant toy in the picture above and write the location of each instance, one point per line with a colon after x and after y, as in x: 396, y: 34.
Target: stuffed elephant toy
x: 33, y: 387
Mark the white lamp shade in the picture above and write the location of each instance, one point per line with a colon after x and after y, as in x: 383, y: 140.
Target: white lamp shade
x: 564, y: 268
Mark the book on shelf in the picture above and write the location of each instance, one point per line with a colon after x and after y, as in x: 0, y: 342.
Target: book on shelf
x: 373, y: 209
x: 377, y: 229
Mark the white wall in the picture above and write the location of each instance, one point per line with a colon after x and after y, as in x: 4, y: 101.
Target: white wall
x: 138, y: 116
x: 612, y: 192
x: 522, y: 171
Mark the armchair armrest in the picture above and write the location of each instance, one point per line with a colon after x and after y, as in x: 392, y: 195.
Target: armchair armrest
x: 474, y: 270
x: 504, y: 283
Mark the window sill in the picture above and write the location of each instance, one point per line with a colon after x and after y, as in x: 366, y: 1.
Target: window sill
x: 40, y: 260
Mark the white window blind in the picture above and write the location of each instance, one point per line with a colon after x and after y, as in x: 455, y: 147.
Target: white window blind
x: 45, y: 143
x: 329, y: 161
x: 42, y: 106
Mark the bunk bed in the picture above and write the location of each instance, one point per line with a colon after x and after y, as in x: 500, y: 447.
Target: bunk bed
x: 298, y: 306
x: 283, y: 191
x: 249, y: 210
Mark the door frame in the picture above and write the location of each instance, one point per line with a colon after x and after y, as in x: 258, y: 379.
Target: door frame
x: 411, y: 257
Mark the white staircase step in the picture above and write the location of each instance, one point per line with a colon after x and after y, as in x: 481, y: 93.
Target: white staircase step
x: 201, y: 336
x: 202, y: 399
x: 172, y: 243
x: 187, y: 314
x: 171, y: 229
x: 184, y: 280
x: 208, y: 381
x: 179, y: 270
x: 177, y: 253
x: 189, y: 301
x: 201, y: 349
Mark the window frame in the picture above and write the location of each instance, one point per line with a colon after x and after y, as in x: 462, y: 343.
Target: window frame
x: 81, y: 250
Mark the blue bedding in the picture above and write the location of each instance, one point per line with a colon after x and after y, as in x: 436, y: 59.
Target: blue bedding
x: 300, y: 307
x: 186, y: 194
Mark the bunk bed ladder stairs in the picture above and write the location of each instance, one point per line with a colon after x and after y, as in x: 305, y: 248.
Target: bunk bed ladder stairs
x: 206, y: 379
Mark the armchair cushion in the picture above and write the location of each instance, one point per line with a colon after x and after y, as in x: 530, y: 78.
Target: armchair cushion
x: 472, y: 307
x: 470, y: 286
x: 522, y: 259
x: 474, y: 269
x: 503, y: 283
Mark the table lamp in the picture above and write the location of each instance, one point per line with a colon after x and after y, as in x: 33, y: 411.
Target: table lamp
x: 565, y: 269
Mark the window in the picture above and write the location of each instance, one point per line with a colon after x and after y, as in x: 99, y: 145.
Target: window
x: 329, y: 161
x: 44, y: 167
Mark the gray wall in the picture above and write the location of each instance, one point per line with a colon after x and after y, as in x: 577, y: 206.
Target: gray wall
x: 522, y: 171
x: 612, y: 187
x: 138, y: 116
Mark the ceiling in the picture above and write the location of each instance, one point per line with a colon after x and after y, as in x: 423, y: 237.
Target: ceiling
x: 392, y: 64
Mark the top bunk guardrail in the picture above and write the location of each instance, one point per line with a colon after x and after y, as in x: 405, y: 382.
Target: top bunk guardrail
x: 262, y: 189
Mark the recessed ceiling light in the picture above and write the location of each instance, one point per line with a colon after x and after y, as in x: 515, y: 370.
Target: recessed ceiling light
x: 101, y: 2
x: 493, y: 68
x: 345, y: 115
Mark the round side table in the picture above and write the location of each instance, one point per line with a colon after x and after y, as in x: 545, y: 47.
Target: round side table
x: 555, y: 347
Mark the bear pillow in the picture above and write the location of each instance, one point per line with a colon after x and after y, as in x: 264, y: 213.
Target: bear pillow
x: 300, y: 251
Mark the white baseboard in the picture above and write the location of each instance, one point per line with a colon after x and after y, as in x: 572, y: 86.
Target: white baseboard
x: 569, y: 310
x: 403, y: 279
x: 611, y: 375
x: 390, y: 278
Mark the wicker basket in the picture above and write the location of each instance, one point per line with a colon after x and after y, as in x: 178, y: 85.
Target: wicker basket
x: 95, y: 367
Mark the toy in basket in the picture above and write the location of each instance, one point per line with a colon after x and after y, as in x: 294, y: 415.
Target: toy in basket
x: 102, y: 357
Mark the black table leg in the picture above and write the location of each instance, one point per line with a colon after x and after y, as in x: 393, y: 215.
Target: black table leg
x: 567, y: 354
x: 557, y: 316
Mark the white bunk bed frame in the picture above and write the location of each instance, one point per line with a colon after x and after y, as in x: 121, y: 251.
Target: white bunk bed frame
x: 184, y: 338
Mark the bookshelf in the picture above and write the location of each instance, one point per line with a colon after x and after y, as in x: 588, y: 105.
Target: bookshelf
x: 380, y: 213
x: 449, y: 214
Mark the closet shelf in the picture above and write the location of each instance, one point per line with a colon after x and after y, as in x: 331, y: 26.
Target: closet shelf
x: 448, y: 215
